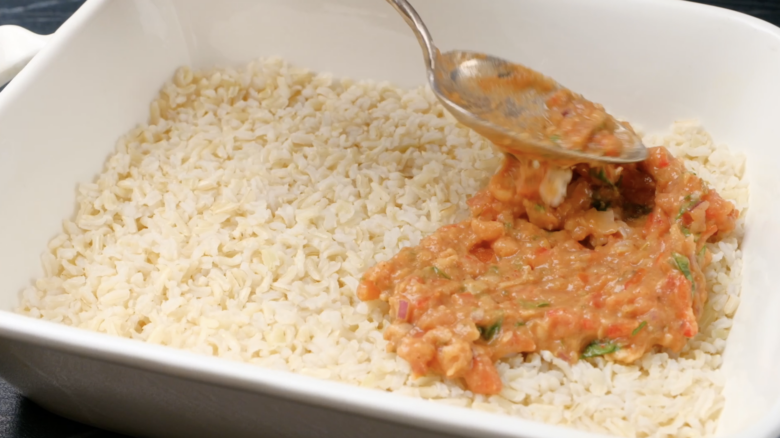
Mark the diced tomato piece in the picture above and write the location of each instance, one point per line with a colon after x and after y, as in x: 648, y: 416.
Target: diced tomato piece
x: 709, y: 232
x: 483, y: 377
x: 368, y: 291
x: 621, y: 329
x: 422, y: 303
x: 418, y: 353
x: 562, y: 322
x: 684, y: 290
x: 663, y: 158
x: 689, y: 330
x: 483, y: 205
x: 587, y: 323
x: 540, y: 257
x: 678, y: 288
x: 597, y: 300
x: 484, y: 255
x: 661, y: 258
x: 657, y: 223
x: 517, y: 343
x: 649, y: 223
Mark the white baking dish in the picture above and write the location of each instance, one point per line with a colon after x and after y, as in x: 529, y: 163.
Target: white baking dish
x: 650, y: 61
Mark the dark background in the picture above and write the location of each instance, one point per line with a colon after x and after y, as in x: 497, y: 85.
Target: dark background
x: 21, y: 418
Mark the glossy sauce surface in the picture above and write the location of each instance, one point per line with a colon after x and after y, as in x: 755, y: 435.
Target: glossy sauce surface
x: 525, y: 102
x: 615, y: 269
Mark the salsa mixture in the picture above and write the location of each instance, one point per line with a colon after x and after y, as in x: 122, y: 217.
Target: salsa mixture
x: 613, y: 268
x: 561, y: 118
x: 575, y: 123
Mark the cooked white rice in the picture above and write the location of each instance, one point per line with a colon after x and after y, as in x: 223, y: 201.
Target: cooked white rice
x: 238, y: 221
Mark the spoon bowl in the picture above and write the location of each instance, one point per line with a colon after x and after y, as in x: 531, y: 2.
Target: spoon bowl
x: 506, y: 102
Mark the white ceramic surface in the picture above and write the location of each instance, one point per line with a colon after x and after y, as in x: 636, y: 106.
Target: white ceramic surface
x: 650, y: 61
x: 17, y: 47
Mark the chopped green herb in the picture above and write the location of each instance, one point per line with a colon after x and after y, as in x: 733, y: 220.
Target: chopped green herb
x: 539, y: 207
x: 684, y: 265
x: 619, y: 182
x: 508, y: 225
x: 691, y: 201
x: 494, y: 269
x: 600, y: 205
x: 441, y: 273
x: 626, y: 275
x: 601, y: 175
x: 599, y: 348
x: 555, y: 138
x: 489, y: 332
x: 540, y: 305
x: 685, y: 230
x: 639, y: 329
x: 703, y: 250
x: 520, y: 323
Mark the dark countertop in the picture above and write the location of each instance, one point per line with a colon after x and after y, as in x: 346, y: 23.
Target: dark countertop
x: 21, y: 418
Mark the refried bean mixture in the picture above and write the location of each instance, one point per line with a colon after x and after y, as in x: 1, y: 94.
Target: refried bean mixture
x: 615, y: 269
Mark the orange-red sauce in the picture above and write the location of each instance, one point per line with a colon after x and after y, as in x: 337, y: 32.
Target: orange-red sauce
x: 615, y: 270
x: 567, y: 120
x: 576, y: 123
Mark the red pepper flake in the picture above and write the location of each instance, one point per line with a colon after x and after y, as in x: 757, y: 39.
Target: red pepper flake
x: 636, y: 278
x: 663, y: 160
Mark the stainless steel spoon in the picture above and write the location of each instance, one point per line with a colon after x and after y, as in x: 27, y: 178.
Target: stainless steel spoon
x: 503, y: 115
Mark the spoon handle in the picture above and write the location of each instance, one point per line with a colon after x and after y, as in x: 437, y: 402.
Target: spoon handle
x: 418, y: 27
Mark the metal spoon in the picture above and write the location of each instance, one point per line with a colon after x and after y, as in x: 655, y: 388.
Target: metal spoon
x: 507, y: 117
